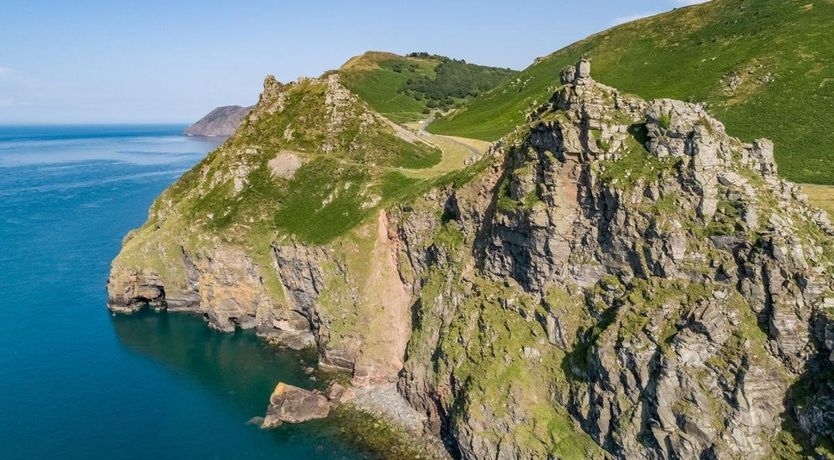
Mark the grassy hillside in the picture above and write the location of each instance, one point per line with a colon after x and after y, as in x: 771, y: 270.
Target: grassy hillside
x: 345, y: 157
x: 311, y: 160
x: 765, y: 67
x: 406, y: 88
x: 821, y: 196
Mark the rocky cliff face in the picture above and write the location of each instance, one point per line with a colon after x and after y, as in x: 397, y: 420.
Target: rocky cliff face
x: 637, y: 268
x: 220, y: 122
x: 618, y: 277
x: 214, y: 245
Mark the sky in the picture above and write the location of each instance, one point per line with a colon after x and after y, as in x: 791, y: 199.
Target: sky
x: 173, y: 61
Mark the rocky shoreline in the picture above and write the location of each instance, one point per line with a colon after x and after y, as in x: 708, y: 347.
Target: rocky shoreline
x: 390, y: 418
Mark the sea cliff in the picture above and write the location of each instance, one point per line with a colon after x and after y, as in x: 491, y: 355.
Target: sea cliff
x: 615, y: 277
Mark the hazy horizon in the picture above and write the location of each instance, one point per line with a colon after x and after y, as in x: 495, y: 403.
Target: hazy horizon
x: 156, y: 63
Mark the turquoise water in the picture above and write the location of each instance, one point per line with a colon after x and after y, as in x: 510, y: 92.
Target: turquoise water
x: 76, y: 382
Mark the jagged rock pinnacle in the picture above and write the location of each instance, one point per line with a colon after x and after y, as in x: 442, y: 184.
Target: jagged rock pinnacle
x: 583, y: 69
x: 270, y: 81
x: 578, y: 73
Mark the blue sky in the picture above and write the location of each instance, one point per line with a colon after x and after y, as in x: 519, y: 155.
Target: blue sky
x: 168, y: 61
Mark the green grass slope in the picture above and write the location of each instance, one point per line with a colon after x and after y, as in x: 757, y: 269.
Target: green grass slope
x: 765, y: 68
x: 352, y: 162
x: 348, y: 155
x: 406, y: 88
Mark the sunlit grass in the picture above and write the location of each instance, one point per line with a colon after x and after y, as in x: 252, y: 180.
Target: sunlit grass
x: 781, y: 51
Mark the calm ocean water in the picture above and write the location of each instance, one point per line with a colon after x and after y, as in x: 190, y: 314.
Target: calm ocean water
x: 76, y: 382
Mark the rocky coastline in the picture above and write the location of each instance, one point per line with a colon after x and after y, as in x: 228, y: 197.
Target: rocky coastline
x: 616, y: 278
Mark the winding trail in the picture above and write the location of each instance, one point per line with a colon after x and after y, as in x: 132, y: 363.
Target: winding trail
x: 456, y: 151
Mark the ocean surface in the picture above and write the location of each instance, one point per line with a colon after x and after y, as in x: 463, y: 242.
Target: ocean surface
x: 79, y: 383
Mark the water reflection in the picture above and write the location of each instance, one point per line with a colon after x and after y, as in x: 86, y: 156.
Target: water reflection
x: 238, y: 365
x: 240, y: 370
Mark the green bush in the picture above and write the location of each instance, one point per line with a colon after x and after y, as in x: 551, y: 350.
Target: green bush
x: 665, y: 120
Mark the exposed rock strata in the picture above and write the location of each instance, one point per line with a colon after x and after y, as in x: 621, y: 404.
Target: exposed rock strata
x: 677, y: 273
x: 275, y: 285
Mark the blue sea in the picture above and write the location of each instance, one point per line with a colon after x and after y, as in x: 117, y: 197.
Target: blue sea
x: 79, y: 383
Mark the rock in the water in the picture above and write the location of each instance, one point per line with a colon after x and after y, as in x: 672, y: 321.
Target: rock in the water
x: 255, y: 421
x: 294, y: 405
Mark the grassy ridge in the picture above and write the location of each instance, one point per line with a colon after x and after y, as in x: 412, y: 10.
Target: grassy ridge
x: 455, y: 80
x: 763, y: 66
x: 234, y: 193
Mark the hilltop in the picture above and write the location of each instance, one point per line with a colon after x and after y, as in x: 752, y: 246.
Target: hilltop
x: 402, y: 88
x: 763, y: 66
x: 220, y: 122
x: 408, y: 88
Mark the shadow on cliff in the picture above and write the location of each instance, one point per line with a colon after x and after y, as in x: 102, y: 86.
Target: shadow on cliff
x: 809, y: 403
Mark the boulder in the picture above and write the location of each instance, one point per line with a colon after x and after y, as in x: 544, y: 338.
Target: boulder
x: 583, y: 69
x: 294, y: 405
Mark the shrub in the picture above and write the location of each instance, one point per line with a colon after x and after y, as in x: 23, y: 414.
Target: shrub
x: 666, y: 120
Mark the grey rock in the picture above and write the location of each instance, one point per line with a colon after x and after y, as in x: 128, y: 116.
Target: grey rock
x: 294, y: 405
x: 690, y: 387
x: 583, y: 69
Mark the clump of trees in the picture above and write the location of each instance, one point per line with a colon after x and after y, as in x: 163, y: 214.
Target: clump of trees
x: 455, y: 81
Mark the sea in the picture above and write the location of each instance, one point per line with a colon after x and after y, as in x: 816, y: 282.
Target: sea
x: 79, y: 383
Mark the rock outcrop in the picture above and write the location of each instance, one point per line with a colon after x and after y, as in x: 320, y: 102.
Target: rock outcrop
x: 220, y: 122
x: 289, y: 404
x: 633, y: 265
x: 617, y: 278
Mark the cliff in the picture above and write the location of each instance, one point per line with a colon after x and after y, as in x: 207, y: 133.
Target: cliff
x: 220, y: 122
x: 616, y: 278
x: 276, y: 229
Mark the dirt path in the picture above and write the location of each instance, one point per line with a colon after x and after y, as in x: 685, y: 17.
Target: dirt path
x: 456, y: 150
